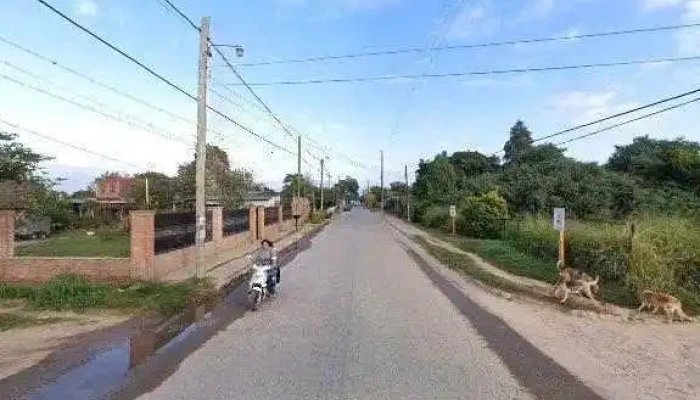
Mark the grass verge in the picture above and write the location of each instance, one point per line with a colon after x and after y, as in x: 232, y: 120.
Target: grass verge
x: 464, y: 264
x: 72, y: 292
x: 11, y: 321
x: 105, y: 243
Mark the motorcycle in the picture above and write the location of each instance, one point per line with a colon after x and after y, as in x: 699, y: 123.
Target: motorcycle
x: 258, y: 289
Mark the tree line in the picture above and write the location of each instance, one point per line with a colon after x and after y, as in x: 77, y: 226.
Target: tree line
x: 649, y: 175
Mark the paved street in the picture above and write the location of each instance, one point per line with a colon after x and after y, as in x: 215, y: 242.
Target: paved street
x: 357, y: 318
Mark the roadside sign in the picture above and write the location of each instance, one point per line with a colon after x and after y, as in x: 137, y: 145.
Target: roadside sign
x: 453, y: 211
x: 559, y: 220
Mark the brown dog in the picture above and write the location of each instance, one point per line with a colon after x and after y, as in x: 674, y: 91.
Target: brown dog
x: 575, y: 281
x: 669, y: 304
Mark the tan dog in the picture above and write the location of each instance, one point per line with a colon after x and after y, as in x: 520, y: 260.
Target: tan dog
x: 575, y: 281
x: 669, y: 304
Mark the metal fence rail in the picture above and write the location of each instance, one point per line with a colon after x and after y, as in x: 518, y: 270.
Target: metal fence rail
x: 175, y: 231
x: 236, y: 221
x: 271, y: 215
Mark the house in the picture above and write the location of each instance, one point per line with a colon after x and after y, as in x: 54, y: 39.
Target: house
x: 111, y: 198
x: 114, y: 189
x: 263, y: 199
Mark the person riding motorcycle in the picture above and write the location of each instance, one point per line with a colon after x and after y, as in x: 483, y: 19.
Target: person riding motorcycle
x: 267, y: 255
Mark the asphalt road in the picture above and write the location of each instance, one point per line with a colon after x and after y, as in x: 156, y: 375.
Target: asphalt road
x: 356, y: 318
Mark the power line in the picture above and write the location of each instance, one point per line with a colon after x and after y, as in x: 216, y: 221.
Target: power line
x: 469, y: 73
x: 93, y: 80
x: 230, y: 66
x: 238, y: 75
x: 475, y: 45
x: 629, y: 121
x: 122, y: 115
x: 165, y: 135
x: 118, y: 50
x: 71, y: 145
x: 160, y: 77
x: 609, y: 117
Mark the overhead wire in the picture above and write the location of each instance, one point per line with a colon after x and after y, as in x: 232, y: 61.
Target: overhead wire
x: 165, y: 135
x: 216, y: 47
x: 67, y: 144
x: 559, y: 38
x: 617, y: 115
x: 136, y: 120
x: 473, y: 73
x: 157, y: 75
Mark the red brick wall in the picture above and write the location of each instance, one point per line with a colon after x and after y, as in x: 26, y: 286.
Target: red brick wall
x: 142, y: 244
x: 40, y: 270
x: 7, y: 233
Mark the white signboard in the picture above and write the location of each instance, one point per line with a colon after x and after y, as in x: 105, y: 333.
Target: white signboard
x: 559, y: 220
x: 453, y: 211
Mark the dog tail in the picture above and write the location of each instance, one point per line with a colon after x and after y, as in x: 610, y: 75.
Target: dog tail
x: 560, y: 265
x: 595, y: 281
x: 647, y: 292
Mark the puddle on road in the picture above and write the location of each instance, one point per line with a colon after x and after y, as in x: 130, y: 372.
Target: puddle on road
x: 124, y: 367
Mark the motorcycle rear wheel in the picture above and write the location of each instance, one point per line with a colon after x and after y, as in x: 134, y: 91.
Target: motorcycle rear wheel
x: 254, y: 298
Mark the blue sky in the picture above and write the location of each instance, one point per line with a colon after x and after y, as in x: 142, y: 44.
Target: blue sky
x: 409, y: 119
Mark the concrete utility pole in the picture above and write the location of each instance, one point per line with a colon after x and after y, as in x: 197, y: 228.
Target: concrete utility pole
x: 381, y: 152
x: 148, y: 196
x: 201, y: 157
x: 299, y: 166
x: 408, y: 194
x: 322, y: 207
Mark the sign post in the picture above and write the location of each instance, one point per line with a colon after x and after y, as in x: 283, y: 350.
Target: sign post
x: 559, y: 222
x: 453, y: 215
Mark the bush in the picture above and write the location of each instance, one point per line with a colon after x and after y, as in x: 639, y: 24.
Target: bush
x: 436, y: 217
x: 663, y: 254
x: 68, y: 292
x: 482, y: 216
x: 318, y: 217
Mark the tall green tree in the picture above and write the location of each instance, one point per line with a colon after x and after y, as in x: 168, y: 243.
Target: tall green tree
x: 17, y: 161
x: 436, y: 180
x: 161, y: 190
x: 518, y: 144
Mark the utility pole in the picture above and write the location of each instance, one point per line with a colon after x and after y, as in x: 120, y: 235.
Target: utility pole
x: 148, y: 196
x: 381, y: 152
x: 322, y: 207
x: 408, y: 194
x: 201, y: 157
x: 299, y: 166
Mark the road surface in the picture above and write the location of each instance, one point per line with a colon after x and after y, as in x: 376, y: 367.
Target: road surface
x: 357, y: 318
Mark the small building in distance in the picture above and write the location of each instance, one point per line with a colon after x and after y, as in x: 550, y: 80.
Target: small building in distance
x: 263, y: 199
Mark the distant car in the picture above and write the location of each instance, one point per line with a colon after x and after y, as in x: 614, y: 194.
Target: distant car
x: 32, y: 227
x: 347, y: 207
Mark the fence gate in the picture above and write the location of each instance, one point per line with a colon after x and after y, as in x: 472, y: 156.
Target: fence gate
x: 257, y: 224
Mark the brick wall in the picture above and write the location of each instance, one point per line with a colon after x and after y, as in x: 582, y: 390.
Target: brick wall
x: 143, y: 264
x: 40, y: 269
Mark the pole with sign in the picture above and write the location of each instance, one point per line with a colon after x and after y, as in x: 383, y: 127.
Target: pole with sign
x: 453, y: 215
x: 559, y: 222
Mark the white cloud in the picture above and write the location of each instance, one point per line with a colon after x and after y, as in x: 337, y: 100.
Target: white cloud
x: 351, y: 5
x: 86, y: 7
x: 648, y: 5
x: 478, y: 20
x: 688, y: 41
x: 503, y: 83
x: 579, y: 106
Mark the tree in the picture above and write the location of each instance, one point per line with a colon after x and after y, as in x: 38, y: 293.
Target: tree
x: 519, y: 143
x: 349, y: 187
x: 542, y: 154
x: 161, y: 190
x: 229, y: 187
x: 17, y: 161
x: 436, y: 180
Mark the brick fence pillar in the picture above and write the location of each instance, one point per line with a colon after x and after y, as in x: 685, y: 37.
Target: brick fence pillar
x: 253, y: 223
x: 142, y: 224
x: 7, y: 233
x: 217, y: 224
x: 262, y: 234
x: 280, y: 215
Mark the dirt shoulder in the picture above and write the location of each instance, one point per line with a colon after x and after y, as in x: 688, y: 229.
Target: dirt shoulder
x: 620, y: 358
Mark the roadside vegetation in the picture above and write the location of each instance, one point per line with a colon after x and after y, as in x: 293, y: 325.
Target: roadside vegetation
x: 634, y: 220
x: 75, y: 293
x: 113, y: 243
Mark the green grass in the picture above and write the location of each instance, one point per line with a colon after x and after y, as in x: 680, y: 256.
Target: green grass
x: 505, y: 256
x: 12, y: 321
x: 72, y: 292
x: 464, y: 264
x: 106, y: 243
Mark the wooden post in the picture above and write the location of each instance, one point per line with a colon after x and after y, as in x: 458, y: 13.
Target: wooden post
x: 453, y: 226
x: 562, y: 247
